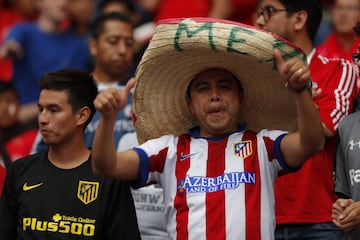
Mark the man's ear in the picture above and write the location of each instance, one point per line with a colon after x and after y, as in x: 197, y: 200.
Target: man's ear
x: 93, y: 47
x: 301, y: 18
x: 83, y: 115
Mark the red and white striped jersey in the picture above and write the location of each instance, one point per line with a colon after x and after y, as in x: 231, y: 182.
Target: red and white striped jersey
x: 216, y: 188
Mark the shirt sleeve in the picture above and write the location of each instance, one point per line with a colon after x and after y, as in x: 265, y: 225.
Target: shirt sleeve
x: 341, y: 182
x: 336, y: 79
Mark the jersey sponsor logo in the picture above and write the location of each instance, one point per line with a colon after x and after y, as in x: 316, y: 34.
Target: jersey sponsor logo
x: 78, y: 226
x: 186, y: 156
x: 354, y: 175
x: 354, y: 144
x: 27, y: 187
x: 196, y: 184
x: 87, y: 191
x: 148, y: 202
x: 243, y: 149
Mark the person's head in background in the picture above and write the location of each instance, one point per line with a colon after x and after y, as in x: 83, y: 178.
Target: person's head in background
x: 26, y: 8
x: 65, y: 105
x: 52, y: 11
x: 293, y: 20
x: 9, y: 105
x: 112, y: 47
x: 345, y: 15
x: 81, y: 13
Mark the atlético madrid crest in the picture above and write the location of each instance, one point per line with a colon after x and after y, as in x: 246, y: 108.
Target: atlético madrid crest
x: 243, y: 149
x: 88, y: 191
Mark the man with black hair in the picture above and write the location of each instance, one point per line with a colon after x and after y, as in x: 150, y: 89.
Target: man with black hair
x: 111, y: 45
x: 304, y: 198
x: 54, y: 194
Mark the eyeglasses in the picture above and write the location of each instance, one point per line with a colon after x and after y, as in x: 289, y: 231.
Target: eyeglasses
x: 355, y: 57
x: 268, y: 11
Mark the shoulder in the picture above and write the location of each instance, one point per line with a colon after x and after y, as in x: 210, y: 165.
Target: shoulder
x: 319, y: 59
x: 28, y: 161
x: 352, y: 119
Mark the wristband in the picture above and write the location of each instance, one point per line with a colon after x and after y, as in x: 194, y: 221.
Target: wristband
x: 299, y: 90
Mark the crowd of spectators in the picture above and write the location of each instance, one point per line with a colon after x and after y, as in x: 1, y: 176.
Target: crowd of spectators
x: 39, y: 36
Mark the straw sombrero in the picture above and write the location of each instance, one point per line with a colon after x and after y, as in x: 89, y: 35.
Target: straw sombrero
x: 181, y: 48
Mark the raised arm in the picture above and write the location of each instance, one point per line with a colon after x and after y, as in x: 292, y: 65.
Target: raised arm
x: 298, y: 146
x: 105, y: 160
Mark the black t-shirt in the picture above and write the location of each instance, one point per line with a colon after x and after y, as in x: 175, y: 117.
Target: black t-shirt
x: 41, y: 201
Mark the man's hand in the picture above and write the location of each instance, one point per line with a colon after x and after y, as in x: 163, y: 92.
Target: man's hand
x: 346, y: 214
x: 294, y: 71
x: 110, y: 101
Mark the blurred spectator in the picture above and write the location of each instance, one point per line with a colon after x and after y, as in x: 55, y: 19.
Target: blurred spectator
x: 111, y: 45
x: 40, y: 47
x: 16, y: 139
x: 325, y: 27
x: 13, y: 11
x: 126, y: 7
x: 141, y: 33
x: 341, y: 42
x: 81, y: 13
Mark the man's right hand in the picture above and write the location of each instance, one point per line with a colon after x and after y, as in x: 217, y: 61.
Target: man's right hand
x: 110, y: 101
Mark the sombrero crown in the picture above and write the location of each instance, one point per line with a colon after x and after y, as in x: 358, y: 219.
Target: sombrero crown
x: 181, y: 48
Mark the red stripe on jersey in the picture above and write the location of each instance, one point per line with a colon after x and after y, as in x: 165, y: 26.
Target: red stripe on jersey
x: 215, y: 201
x: 252, y: 191
x: 157, y: 162
x: 269, y: 147
x: 180, y: 204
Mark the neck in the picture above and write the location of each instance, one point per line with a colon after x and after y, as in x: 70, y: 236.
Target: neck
x: 47, y: 25
x: 346, y: 40
x: 305, y: 45
x: 70, y: 154
x: 102, y: 77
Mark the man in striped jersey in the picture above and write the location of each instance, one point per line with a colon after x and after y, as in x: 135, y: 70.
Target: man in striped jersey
x: 218, y: 176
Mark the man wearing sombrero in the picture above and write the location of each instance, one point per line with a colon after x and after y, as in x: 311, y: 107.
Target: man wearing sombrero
x: 209, y: 95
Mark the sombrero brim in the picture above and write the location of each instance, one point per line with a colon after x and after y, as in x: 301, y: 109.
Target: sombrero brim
x: 181, y: 48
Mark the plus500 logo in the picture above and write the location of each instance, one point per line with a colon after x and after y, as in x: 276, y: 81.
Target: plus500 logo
x: 354, y: 176
x: 68, y: 227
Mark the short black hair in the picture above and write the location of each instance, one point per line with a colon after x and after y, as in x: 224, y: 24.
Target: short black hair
x: 80, y: 86
x: 127, y: 3
x: 314, y: 9
x: 97, y: 26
